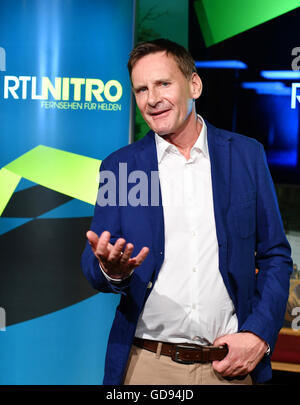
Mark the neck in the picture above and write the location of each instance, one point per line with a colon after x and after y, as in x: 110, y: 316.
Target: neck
x: 185, y: 139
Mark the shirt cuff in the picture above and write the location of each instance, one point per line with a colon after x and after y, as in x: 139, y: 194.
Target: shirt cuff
x: 114, y: 280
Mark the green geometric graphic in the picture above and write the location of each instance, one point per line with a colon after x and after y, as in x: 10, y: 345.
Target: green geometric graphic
x: 223, y: 19
x: 74, y: 175
x: 8, y: 184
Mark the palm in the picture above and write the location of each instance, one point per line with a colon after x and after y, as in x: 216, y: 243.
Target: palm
x: 115, y: 259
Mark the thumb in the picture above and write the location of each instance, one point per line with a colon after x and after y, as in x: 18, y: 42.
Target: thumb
x: 220, y: 365
x: 220, y: 341
x: 92, y: 238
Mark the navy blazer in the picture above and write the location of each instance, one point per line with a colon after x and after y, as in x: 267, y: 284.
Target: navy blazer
x: 249, y: 231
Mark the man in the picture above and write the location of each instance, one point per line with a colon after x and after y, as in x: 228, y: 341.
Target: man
x: 193, y: 310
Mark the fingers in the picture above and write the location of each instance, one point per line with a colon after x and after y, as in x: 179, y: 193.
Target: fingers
x: 118, y: 254
x: 92, y: 238
x: 141, y: 256
x: 245, y: 351
x: 103, y: 246
x: 124, y: 258
x: 229, y: 369
x: 231, y: 366
x: 117, y: 251
x: 127, y: 253
x: 223, y: 367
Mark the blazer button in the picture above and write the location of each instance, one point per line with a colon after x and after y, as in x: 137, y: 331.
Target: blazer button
x: 149, y: 284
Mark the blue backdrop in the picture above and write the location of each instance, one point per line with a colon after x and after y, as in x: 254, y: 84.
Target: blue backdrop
x: 63, y: 84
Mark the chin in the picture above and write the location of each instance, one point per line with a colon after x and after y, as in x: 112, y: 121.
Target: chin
x: 159, y: 128
x: 162, y: 131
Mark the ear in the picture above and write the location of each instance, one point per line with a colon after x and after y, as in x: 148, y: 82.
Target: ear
x: 195, y: 86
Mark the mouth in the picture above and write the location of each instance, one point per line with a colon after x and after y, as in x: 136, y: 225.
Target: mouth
x: 159, y: 114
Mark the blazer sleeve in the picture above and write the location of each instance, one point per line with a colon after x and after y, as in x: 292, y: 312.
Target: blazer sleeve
x: 273, y: 260
x: 106, y: 218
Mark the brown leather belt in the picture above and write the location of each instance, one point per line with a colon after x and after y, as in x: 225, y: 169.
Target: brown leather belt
x: 184, y: 353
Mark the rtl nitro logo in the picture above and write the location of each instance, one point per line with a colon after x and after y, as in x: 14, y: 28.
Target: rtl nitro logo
x: 82, y: 89
x: 295, y: 67
x: 62, y: 92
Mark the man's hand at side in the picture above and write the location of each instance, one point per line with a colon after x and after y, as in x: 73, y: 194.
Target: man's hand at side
x: 245, y: 351
x: 115, y: 259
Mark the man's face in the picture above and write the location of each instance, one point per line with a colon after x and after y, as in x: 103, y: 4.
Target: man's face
x: 163, y: 94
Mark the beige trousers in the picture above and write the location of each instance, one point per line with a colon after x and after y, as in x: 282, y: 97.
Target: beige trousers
x: 147, y: 368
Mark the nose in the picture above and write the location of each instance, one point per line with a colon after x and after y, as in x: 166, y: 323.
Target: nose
x: 153, y: 97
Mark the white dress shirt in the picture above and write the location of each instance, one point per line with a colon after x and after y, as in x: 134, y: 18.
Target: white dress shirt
x: 189, y: 301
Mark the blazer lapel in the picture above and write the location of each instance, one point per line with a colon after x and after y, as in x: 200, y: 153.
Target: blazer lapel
x: 219, y: 145
x: 146, y: 160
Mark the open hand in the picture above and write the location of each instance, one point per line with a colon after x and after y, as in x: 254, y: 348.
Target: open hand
x: 115, y: 259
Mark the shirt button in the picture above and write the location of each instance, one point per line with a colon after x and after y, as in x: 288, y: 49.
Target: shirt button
x: 149, y: 284
x: 194, y: 269
x: 194, y: 306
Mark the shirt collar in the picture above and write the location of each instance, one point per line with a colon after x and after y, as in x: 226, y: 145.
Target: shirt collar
x: 162, y: 146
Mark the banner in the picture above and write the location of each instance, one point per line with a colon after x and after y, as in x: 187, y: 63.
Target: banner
x: 65, y: 102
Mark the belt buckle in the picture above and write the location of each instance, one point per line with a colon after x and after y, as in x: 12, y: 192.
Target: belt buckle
x: 175, y: 354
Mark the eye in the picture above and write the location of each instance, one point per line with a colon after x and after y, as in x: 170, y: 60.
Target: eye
x: 141, y: 90
x: 165, y: 84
